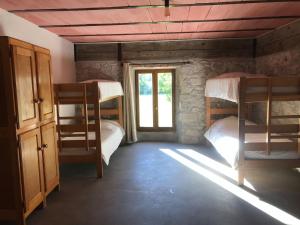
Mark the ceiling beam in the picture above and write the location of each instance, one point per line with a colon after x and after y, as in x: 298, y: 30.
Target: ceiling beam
x: 151, y: 6
x: 166, y: 40
x: 189, y: 32
x: 170, y: 22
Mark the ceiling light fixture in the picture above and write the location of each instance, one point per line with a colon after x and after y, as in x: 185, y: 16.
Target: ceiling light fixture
x: 167, y: 8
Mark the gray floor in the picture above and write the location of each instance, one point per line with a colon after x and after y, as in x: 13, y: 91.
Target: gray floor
x: 144, y: 185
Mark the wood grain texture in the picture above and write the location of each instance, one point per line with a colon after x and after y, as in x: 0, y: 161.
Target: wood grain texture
x: 50, y: 157
x: 80, y: 95
x: 25, y: 86
x: 43, y: 66
x: 31, y: 160
x: 289, y: 133
x: 22, y: 162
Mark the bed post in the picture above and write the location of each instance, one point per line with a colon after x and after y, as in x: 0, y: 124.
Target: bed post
x: 86, y: 118
x: 299, y: 135
x: 241, y: 126
x: 56, y: 92
x: 208, y: 112
x: 97, y: 116
x: 269, y: 116
x: 120, y: 110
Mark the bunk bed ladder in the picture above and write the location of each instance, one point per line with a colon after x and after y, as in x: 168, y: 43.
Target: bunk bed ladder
x: 291, y: 133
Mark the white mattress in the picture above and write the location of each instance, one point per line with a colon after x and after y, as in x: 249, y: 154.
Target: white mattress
x: 223, y: 88
x: 223, y: 135
x: 108, y: 88
x: 111, y: 137
x: 226, y: 86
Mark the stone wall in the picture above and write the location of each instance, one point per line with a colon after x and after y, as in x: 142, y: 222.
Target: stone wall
x: 191, y: 85
x: 278, y: 54
x: 207, y: 59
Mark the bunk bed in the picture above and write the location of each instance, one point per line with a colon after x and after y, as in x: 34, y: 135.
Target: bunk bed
x: 246, y: 145
x: 86, y: 133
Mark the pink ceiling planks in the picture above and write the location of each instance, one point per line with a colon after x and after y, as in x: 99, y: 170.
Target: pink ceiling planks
x: 53, y: 4
x: 87, y: 17
x: 128, y: 29
x: 253, y: 10
x: 78, y: 21
x: 177, y: 14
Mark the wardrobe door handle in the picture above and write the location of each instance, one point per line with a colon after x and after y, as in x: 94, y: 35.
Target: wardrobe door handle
x: 44, y: 146
x: 41, y: 100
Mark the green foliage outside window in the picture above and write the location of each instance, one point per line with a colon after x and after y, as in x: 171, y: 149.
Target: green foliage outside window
x: 164, y: 85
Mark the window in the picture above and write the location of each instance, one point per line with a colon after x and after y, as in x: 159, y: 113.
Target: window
x: 155, y: 98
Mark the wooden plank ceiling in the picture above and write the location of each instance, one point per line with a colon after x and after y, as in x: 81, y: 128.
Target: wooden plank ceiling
x: 145, y: 20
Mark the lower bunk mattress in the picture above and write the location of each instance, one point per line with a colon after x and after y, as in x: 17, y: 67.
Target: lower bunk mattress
x: 223, y: 135
x: 111, y: 136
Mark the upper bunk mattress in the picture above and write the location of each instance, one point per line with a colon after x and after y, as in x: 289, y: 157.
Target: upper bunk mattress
x: 108, y: 89
x: 226, y: 86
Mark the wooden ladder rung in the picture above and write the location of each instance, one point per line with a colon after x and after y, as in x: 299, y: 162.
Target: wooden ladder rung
x: 286, y: 117
x: 284, y: 136
x: 73, y: 135
x: 70, y: 117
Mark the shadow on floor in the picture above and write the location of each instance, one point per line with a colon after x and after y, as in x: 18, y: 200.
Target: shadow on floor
x: 165, y: 184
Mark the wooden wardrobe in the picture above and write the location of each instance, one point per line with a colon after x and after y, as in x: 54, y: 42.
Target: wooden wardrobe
x: 28, y: 147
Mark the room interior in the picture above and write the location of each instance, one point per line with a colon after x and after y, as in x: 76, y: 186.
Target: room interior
x: 149, y: 112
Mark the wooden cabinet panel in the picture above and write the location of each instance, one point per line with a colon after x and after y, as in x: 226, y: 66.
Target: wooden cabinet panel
x: 26, y: 88
x: 45, y: 85
x: 28, y: 157
x: 50, y: 157
x: 31, y: 160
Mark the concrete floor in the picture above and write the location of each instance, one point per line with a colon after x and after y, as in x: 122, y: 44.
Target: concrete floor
x: 145, y: 186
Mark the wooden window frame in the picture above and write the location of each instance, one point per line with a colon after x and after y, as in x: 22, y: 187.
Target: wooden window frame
x: 155, y: 127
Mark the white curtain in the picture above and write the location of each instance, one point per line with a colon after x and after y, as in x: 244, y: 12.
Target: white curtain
x: 129, y: 103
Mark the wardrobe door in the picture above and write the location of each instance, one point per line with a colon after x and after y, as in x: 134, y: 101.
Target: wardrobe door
x: 31, y: 169
x: 25, y: 86
x: 45, y: 85
x: 50, y: 157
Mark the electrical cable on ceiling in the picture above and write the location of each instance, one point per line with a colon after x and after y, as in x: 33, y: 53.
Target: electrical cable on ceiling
x: 167, y: 8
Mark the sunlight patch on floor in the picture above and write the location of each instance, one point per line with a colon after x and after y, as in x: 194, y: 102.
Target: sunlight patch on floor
x: 214, y: 165
x: 250, y: 198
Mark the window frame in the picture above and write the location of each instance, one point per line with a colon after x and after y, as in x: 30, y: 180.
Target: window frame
x: 154, y: 73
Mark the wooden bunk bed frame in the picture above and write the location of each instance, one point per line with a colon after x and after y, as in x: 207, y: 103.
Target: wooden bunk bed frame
x: 253, y: 90
x: 87, y: 96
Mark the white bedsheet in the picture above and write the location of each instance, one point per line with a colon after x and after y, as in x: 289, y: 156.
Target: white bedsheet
x: 226, y: 86
x: 223, y: 88
x: 108, y: 88
x: 223, y: 135
x: 111, y: 136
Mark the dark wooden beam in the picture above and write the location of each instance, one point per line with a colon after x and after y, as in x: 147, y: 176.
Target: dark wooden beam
x: 120, y: 54
x: 170, y: 22
x: 151, y: 6
x: 190, y: 32
x: 167, y: 40
x: 254, y: 47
